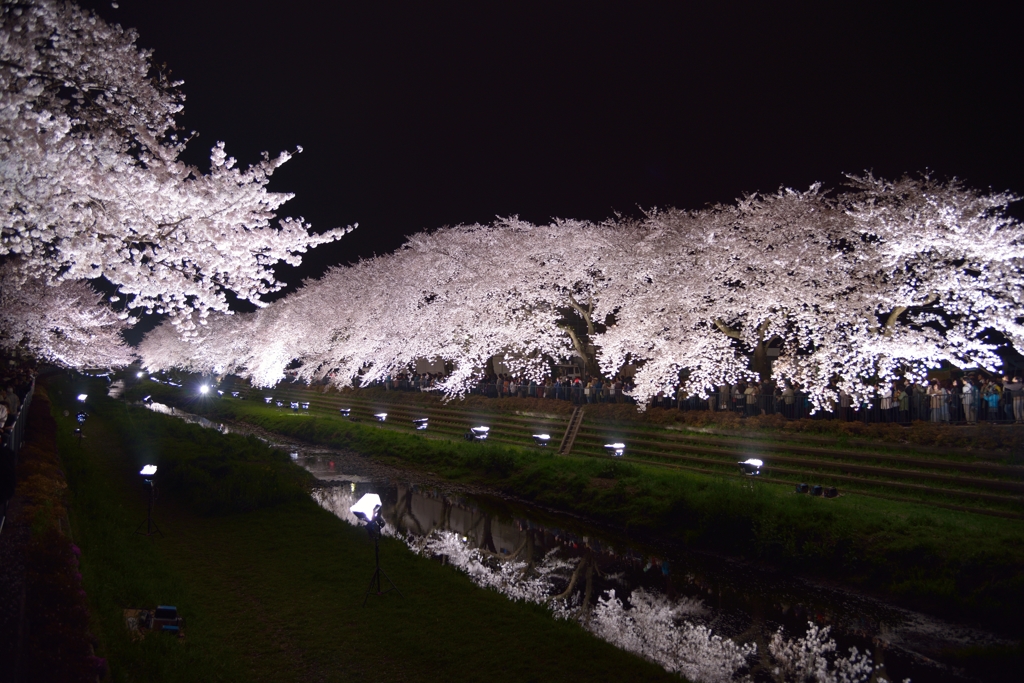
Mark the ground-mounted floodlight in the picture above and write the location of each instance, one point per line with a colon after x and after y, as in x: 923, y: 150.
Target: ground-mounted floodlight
x: 830, y: 492
x: 82, y: 397
x: 295, y: 405
x: 421, y: 423
x: 235, y: 394
x: 148, y: 473
x: 616, y: 449
x: 381, y: 416
x: 477, y: 433
x: 305, y: 405
x: 204, y: 390
x: 140, y: 374
x: 751, y: 467
x: 367, y: 511
x: 817, y: 490
x: 541, y: 439
x: 147, y: 399
x: 345, y: 412
x: 268, y: 399
x: 802, y: 488
x: 280, y: 404
x: 293, y: 455
x: 220, y: 393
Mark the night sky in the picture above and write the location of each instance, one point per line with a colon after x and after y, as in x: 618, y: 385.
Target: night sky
x: 429, y: 114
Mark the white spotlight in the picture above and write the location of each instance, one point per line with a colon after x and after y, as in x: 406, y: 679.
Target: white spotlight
x: 751, y: 467
x: 616, y: 449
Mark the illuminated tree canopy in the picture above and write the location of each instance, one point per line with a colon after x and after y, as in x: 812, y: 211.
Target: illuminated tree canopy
x: 92, y: 185
x: 853, y: 287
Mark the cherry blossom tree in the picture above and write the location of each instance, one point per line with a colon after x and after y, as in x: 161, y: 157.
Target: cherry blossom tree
x: 854, y: 288
x: 67, y: 324
x: 92, y: 185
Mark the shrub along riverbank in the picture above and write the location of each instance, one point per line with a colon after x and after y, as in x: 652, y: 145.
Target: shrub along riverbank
x: 269, y: 583
x: 958, y: 564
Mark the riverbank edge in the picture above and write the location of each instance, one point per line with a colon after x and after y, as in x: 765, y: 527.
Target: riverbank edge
x: 939, y: 568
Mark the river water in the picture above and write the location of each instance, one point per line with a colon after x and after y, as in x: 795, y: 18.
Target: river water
x: 692, y: 612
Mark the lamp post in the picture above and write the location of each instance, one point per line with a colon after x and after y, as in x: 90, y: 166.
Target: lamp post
x: 148, y: 473
x: 367, y: 511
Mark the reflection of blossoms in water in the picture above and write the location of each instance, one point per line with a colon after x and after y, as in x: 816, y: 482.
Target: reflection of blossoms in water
x: 813, y: 658
x: 652, y: 626
x: 654, y: 629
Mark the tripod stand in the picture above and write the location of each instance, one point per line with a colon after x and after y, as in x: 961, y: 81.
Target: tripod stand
x: 151, y: 527
x: 373, y: 528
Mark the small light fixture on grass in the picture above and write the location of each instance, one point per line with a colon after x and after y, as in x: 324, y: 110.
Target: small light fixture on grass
x: 802, y: 488
x: 751, y: 467
x: 234, y: 394
x: 294, y: 455
x: 140, y: 374
x: 147, y: 399
x: 477, y: 433
x: 421, y: 423
x: 830, y: 492
x: 305, y: 405
x: 280, y: 404
x: 816, y: 490
x: 617, y: 449
x: 381, y: 416
x: 81, y: 416
x: 204, y: 390
x: 82, y: 397
x: 541, y: 439
x: 220, y: 393
x: 148, y: 473
x: 295, y: 405
x: 367, y: 511
x: 268, y: 399
x: 345, y: 412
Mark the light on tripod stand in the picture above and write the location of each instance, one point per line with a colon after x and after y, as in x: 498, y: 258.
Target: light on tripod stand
x: 477, y: 433
x: 367, y: 511
x: 617, y: 449
x: 751, y: 467
x: 148, y: 471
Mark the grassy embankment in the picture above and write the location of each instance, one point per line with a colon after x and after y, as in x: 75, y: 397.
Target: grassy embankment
x: 954, y: 563
x: 270, y: 584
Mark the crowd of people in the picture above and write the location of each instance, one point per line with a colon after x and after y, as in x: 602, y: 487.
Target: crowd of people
x: 971, y: 398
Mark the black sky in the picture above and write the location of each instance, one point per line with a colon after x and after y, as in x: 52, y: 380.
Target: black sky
x: 419, y: 115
